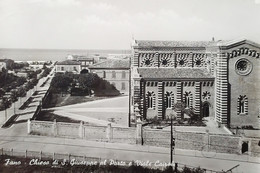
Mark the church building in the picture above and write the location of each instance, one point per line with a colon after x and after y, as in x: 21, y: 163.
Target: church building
x: 218, y: 79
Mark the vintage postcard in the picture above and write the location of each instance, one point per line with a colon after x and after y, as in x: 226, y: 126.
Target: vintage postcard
x: 130, y: 86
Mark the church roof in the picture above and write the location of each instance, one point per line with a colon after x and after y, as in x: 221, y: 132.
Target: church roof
x: 112, y: 63
x: 181, y: 73
x: 150, y: 43
x: 68, y: 62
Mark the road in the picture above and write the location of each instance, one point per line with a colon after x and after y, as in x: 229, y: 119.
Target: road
x: 17, y: 139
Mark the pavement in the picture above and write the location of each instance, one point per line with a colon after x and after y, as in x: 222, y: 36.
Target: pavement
x: 100, y: 112
x: 27, y: 113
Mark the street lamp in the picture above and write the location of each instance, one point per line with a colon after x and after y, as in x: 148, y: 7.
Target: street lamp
x: 172, y: 139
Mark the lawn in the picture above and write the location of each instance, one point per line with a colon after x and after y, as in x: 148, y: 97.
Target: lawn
x: 50, y: 116
x: 56, y: 100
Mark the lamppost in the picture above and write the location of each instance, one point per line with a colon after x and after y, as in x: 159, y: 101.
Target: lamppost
x: 172, y: 139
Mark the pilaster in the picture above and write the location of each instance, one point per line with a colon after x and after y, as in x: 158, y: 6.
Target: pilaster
x: 160, y: 99
x: 222, y: 89
x: 179, y: 97
x: 197, y: 98
x: 156, y: 59
x: 136, y: 59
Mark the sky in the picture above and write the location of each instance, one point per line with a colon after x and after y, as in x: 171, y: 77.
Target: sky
x: 113, y: 24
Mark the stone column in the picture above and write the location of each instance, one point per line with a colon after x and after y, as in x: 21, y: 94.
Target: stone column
x: 179, y: 97
x: 197, y: 105
x: 221, y: 89
x: 156, y: 59
x: 173, y: 59
x: 28, y: 126
x: 135, y: 60
x: 54, y: 128
x: 142, y: 100
x: 190, y: 59
x: 139, y: 132
x: 160, y: 100
x: 81, y: 129
x: 109, y: 132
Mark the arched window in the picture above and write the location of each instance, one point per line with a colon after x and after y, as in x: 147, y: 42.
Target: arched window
x: 150, y: 99
x: 123, y: 86
x: 169, y: 100
x: 187, y: 96
x: 242, y: 105
x: 123, y: 75
x: 104, y: 74
x: 113, y: 74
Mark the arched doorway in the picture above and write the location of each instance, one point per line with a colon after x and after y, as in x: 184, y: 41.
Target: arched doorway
x: 84, y: 71
x: 205, y: 109
x: 244, y: 147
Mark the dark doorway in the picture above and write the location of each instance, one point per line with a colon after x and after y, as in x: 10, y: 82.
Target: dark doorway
x: 84, y: 71
x: 244, y: 147
x: 205, y: 110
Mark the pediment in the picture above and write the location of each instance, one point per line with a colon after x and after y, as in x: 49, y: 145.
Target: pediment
x: 237, y: 43
x: 240, y: 47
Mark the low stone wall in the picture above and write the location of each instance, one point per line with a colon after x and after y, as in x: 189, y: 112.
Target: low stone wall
x: 156, y: 138
x: 255, y: 147
x: 193, y: 141
x: 73, y: 130
x: 152, y: 137
x: 41, y: 128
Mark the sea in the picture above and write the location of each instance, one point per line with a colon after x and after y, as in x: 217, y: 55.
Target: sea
x: 52, y: 54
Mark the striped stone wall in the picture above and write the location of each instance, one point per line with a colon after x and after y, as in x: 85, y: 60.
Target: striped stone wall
x: 179, y: 97
x: 197, y: 98
x: 160, y: 100
x: 222, y: 89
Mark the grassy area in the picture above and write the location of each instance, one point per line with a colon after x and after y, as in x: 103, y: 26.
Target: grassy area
x: 66, y: 99
x: 50, y: 116
x: 69, y: 100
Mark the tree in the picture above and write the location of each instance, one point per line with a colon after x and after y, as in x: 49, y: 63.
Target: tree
x: 6, y: 104
x: 14, y: 95
x: 21, y: 92
x: 181, y: 106
x: 61, y: 82
x: 2, y: 92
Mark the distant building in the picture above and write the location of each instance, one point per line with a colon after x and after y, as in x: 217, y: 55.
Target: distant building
x: 68, y: 66
x: 85, y: 61
x: 22, y: 74
x: 114, y: 71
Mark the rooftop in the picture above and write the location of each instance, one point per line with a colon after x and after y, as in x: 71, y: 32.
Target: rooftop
x: 174, y: 73
x: 68, y: 62
x: 112, y: 63
x: 150, y: 43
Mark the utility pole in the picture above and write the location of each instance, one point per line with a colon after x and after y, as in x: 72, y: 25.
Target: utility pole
x: 172, y: 141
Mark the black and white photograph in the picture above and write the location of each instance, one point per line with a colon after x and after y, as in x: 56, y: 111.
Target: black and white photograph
x: 135, y: 86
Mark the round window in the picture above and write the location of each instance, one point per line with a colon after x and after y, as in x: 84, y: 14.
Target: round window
x: 181, y: 62
x: 147, y: 62
x: 164, y: 62
x: 243, y: 66
x: 198, y: 62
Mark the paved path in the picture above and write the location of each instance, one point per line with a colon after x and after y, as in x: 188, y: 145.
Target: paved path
x: 99, y: 112
x: 30, y: 109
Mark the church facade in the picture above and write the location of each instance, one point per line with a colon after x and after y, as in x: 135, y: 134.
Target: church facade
x: 218, y: 79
